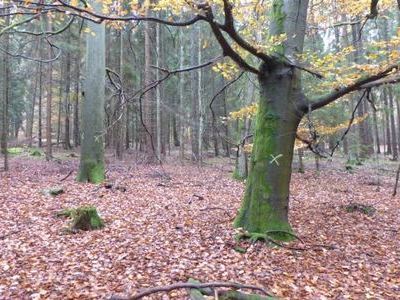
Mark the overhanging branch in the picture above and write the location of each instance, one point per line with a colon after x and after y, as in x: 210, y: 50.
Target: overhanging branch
x: 372, y: 81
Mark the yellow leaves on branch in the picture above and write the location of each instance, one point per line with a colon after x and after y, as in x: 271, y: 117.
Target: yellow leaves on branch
x: 325, y: 13
x: 339, y: 70
x: 244, y: 113
x: 227, y: 69
x: 248, y: 148
x: 323, y: 130
x: 303, y: 130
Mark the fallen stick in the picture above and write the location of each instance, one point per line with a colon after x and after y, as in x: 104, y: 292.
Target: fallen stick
x: 69, y: 174
x: 397, y: 181
x: 181, y: 285
x: 215, y: 208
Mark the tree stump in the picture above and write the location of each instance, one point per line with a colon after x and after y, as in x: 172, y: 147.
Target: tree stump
x: 83, y: 218
x: 86, y: 218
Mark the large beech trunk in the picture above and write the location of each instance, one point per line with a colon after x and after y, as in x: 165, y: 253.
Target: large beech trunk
x: 266, y: 201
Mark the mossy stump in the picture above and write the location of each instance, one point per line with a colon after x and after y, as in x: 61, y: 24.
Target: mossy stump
x: 83, y: 218
x: 36, y: 152
x: 86, y: 218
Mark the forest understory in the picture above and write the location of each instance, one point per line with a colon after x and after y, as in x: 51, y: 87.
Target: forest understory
x: 174, y: 224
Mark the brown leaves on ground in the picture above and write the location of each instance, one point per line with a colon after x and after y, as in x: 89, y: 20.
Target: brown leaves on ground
x: 165, y: 230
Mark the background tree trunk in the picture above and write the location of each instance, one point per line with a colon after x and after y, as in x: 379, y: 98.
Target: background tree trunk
x: 91, y: 167
x: 5, y: 96
x: 67, y: 96
x: 195, y: 115
x: 49, y: 146
x: 149, y: 98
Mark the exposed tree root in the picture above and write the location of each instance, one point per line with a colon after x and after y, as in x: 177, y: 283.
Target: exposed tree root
x: 201, y: 289
x: 254, y: 237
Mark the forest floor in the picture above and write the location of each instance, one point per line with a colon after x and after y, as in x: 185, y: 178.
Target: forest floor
x: 166, y: 229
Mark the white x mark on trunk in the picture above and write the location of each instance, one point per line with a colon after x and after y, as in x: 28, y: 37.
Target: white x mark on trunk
x: 275, y: 159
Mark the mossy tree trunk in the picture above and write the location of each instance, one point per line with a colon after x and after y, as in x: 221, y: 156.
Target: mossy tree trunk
x: 91, y: 167
x: 265, y: 205
x: 266, y: 201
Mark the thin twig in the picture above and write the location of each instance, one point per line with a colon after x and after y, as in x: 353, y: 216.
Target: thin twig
x: 65, y: 177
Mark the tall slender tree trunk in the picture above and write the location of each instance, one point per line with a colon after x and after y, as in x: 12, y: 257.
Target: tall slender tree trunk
x: 225, y: 127
x: 60, y: 94
x: 182, y: 109
x: 376, y: 130
x: 387, y: 123
x: 242, y: 163
x: 5, y: 96
x: 40, y: 96
x: 120, y: 108
x: 389, y: 94
x: 76, y: 134
x: 31, y: 111
x: 158, y: 92
x: 397, y: 102
x: 199, y: 99
x: 149, y: 97
x: 363, y: 130
x: 67, y: 96
x: 49, y: 146
x: 91, y: 167
x: 195, y: 113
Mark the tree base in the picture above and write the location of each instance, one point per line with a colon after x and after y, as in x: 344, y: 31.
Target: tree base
x: 269, y: 236
x: 91, y: 171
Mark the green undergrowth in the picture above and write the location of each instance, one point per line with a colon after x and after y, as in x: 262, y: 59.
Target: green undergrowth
x: 15, y: 150
x: 368, y: 210
x: 35, y: 152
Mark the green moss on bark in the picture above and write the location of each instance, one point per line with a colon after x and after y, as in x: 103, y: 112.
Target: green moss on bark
x: 265, y: 204
x: 91, y: 171
x: 278, y: 26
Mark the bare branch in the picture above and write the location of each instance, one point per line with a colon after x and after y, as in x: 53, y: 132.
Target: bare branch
x: 226, y: 48
x: 229, y: 28
x: 18, y: 23
x: 48, y: 33
x: 99, y: 18
x: 353, y: 115
x: 227, y: 85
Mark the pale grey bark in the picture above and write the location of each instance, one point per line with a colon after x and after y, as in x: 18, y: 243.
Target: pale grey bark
x: 92, y: 149
x: 5, y: 99
x: 195, y: 109
x: 158, y: 92
x: 67, y: 97
x: 199, y: 98
x: 181, y: 100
